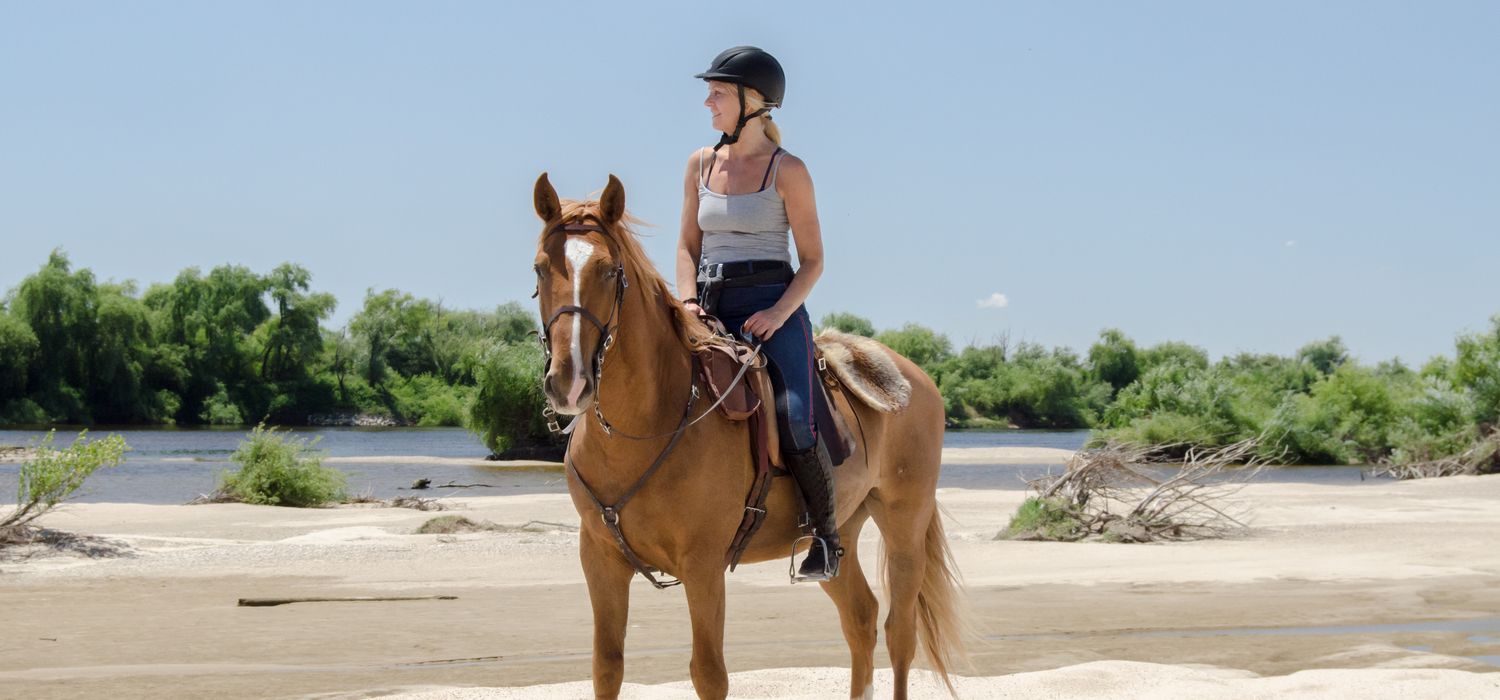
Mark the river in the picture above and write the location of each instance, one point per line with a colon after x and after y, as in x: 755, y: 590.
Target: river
x: 174, y: 465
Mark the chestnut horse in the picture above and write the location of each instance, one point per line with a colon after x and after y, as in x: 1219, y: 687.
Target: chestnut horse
x: 604, y: 302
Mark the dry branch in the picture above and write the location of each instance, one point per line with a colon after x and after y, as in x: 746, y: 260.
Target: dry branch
x: 269, y: 602
x: 1120, y: 493
x: 1482, y: 457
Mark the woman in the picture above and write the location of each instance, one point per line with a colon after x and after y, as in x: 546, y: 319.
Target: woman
x: 740, y: 198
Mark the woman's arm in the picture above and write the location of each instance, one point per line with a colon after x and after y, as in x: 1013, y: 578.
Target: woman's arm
x: 690, y: 241
x: 794, y: 184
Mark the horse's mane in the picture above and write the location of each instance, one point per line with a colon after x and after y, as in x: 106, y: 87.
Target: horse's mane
x: 644, y: 279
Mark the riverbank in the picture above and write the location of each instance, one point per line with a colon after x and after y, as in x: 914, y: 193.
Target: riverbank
x: 1364, y: 579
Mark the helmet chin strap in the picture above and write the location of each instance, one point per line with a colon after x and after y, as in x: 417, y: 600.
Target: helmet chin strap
x: 726, y: 139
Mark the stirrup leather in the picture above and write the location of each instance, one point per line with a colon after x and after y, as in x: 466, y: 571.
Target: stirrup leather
x: 831, y: 559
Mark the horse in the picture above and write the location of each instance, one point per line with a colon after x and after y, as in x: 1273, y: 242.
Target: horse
x: 633, y: 365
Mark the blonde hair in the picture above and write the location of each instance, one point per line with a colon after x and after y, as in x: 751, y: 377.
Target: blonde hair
x: 754, y: 101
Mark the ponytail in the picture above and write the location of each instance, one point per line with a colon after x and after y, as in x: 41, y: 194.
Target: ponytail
x: 753, y: 102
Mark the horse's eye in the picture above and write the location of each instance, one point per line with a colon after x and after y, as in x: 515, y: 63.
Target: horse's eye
x: 610, y: 273
x: 537, y: 269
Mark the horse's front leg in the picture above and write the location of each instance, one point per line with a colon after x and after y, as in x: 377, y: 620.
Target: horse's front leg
x: 608, y: 577
x: 705, y: 596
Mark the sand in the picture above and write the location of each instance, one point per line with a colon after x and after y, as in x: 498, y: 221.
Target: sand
x: 1381, y: 589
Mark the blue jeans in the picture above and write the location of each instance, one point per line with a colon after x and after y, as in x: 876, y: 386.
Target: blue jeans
x: 790, y: 355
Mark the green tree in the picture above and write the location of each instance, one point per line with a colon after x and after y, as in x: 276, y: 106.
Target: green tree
x: 1324, y: 355
x: 294, y: 340
x: 1477, y: 371
x: 61, y: 308
x: 919, y: 344
x: 211, y: 319
x: 848, y: 323
x: 18, y: 351
x: 1173, y: 351
x: 1113, y: 359
x: 123, y: 361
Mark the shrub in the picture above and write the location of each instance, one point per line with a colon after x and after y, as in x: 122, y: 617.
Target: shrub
x: 1044, y: 518
x: 23, y: 412
x: 848, y: 323
x: 219, y: 409
x: 276, y: 470
x: 506, y: 411
x: 53, y: 475
x: 428, y: 401
x: 919, y: 344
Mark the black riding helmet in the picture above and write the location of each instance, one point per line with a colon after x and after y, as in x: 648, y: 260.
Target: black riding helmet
x: 748, y: 66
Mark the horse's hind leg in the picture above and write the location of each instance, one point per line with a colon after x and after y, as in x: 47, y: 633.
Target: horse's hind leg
x: 608, y: 579
x: 903, y: 524
x: 858, y: 609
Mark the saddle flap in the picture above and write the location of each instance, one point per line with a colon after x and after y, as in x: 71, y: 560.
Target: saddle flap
x: 719, y: 366
x: 832, y: 426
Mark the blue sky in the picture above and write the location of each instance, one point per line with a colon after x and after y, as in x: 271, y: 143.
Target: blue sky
x: 1242, y: 177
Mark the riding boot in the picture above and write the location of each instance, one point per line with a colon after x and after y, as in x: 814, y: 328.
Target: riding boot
x: 814, y: 473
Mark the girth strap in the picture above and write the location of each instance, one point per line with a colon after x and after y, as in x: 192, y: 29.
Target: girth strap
x: 760, y: 488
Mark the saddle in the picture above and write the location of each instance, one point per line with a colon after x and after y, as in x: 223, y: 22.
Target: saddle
x: 752, y: 398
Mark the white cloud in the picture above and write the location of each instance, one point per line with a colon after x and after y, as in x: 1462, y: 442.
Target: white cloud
x: 994, y: 301
x: 1291, y: 244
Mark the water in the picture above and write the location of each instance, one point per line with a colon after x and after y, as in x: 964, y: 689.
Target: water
x: 173, y: 465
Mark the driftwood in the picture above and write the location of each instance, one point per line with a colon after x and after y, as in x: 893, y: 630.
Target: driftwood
x: 424, y: 484
x: 269, y: 602
x: 1118, y: 494
x: 1482, y: 457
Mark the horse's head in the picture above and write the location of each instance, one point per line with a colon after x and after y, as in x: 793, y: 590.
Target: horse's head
x: 580, y: 285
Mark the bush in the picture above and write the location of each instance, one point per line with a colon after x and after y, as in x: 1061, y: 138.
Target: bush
x: 23, y: 412
x: 219, y: 409
x: 1298, y: 431
x: 1166, y: 428
x: 506, y: 411
x: 276, y: 470
x: 1045, y: 519
x: 848, y: 323
x: 921, y: 345
x: 53, y: 475
x: 428, y: 401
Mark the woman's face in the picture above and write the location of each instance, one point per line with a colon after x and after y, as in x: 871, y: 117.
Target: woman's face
x: 723, y: 103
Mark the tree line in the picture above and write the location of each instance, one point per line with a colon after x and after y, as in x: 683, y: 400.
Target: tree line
x: 1317, y: 406
x: 233, y: 346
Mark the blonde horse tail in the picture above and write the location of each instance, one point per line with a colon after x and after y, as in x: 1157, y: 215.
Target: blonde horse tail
x: 942, y: 620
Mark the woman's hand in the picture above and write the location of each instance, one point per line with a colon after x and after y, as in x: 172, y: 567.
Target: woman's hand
x: 692, y: 307
x: 764, y: 324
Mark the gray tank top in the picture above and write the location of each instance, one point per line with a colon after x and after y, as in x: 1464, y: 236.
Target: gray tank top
x: 749, y: 226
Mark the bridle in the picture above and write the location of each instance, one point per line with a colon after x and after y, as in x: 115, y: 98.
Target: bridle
x: 606, y: 334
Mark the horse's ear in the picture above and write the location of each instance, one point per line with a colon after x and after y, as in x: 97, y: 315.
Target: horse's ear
x: 612, y: 204
x: 547, y: 205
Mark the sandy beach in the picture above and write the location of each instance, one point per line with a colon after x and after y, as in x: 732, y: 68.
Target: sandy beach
x: 1381, y: 589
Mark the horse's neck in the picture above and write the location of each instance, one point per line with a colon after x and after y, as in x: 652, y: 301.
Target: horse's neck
x: 643, y: 390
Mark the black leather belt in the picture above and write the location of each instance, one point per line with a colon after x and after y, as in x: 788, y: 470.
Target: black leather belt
x: 743, y: 268
x: 716, y: 277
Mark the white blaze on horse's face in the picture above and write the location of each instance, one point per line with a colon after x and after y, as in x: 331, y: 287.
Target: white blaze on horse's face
x: 577, y: 252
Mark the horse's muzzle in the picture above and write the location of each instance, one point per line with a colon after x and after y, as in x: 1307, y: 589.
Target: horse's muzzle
x: 570, y: 393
